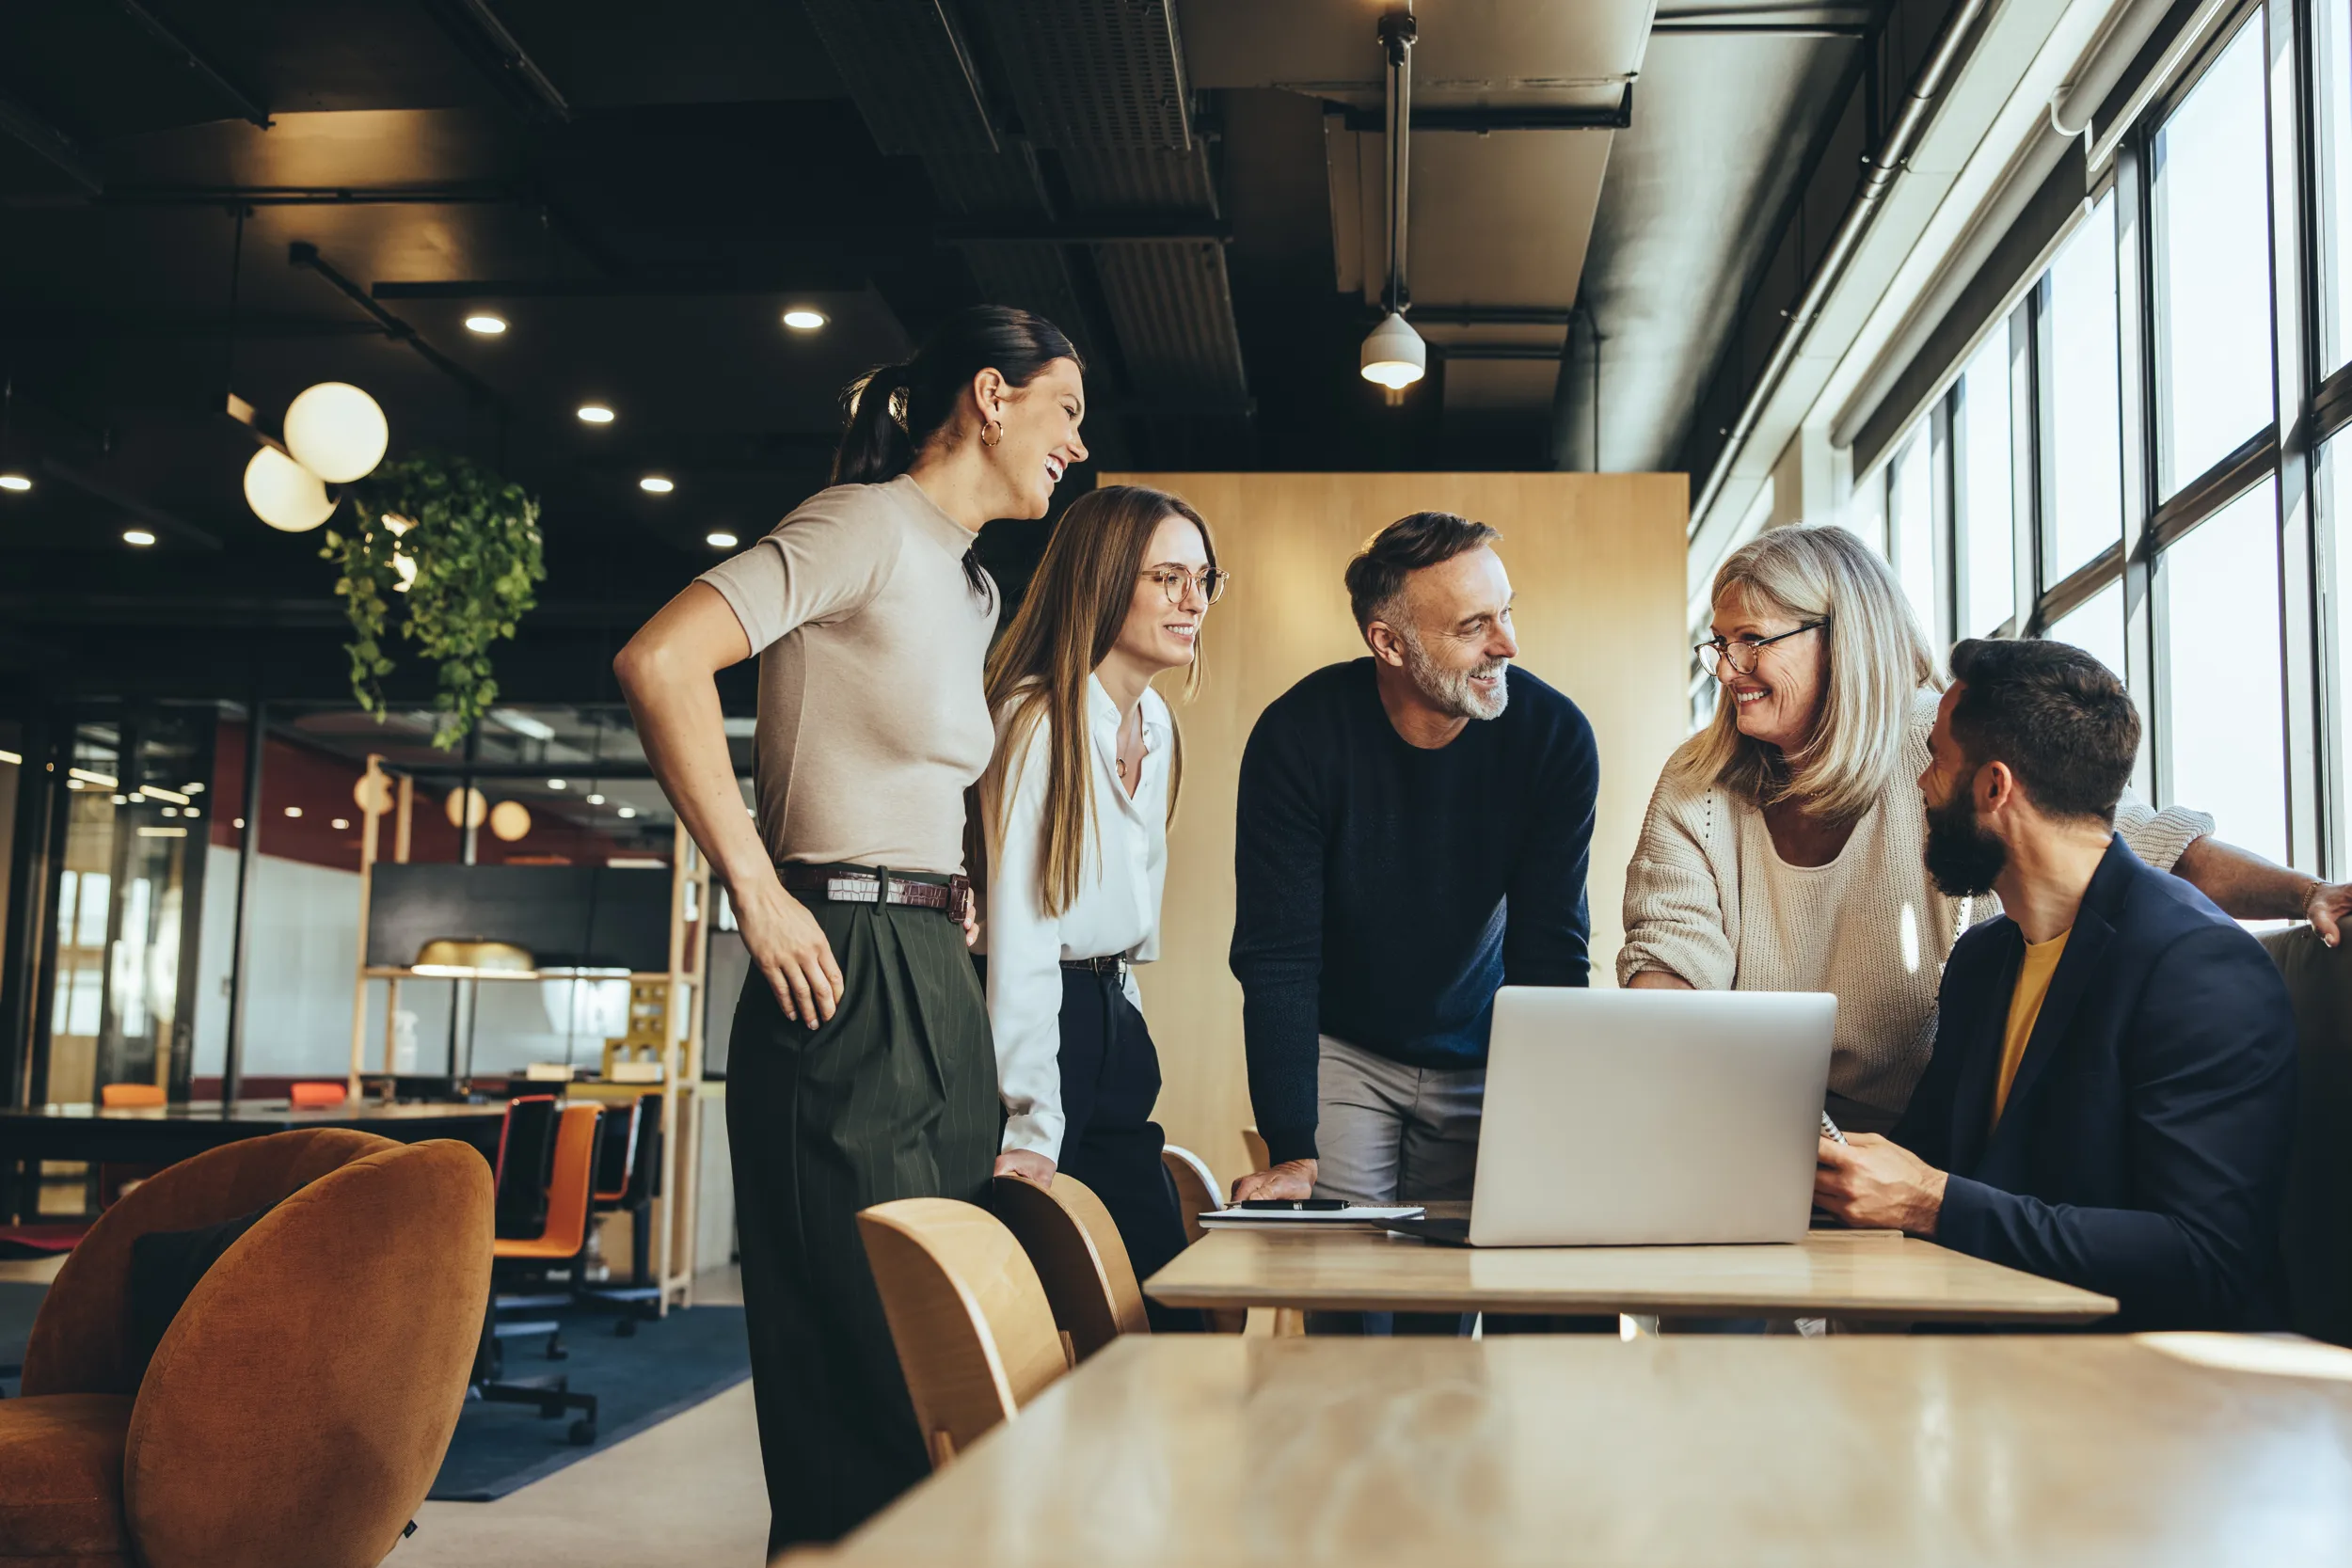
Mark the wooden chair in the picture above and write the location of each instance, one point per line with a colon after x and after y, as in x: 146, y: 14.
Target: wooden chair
x: 1075, y: 1247
x: 975, y: 1334
x: 1261, y: 1158
x: 1197, y: 1192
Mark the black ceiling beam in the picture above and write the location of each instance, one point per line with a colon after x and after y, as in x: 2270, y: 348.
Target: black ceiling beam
x: 1761, y: 29
x: 178, y: 528
x: 46, y: 140
x: 1498, y: 351
x: 484, y: 39
x: 313, y: 196
x: 813, y: 280
x: 303, y: 254
x: 1491, y: 315
x: 204, y: 69
x: 1478, y: 119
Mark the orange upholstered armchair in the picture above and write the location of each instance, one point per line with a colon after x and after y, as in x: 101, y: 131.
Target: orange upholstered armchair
x: 297, y: 1408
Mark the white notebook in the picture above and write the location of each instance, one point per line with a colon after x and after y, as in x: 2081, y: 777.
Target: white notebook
x: 1356, y: 1217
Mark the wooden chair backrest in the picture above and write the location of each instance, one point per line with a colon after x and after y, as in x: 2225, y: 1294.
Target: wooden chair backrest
x: 1081, y: 1261
x: 1260, y: 1157
x: 113, y: 1097
x: 1196, y: 1188
x: 975, y: 1334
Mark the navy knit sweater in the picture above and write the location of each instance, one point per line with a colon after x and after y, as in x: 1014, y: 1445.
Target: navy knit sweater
x: 1383, y: 891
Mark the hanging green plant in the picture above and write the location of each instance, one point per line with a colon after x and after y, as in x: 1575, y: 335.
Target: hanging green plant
x: 459, y: 548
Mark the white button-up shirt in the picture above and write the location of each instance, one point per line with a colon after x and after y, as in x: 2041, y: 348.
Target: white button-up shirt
x: 1116, y: 912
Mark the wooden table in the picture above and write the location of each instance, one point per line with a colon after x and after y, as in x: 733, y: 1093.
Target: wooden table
x: 1867, y: 1450
x: 158, y: 1134
x: 1856, y: 1276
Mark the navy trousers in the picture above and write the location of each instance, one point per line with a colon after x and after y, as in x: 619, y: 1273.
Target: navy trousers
x: 1110, y: 1078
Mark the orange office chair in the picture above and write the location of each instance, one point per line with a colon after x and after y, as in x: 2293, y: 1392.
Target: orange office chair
x: 520, y: 1255
x: 629, y: 1178
x: 315, y: 1097
x: 116, y: 1097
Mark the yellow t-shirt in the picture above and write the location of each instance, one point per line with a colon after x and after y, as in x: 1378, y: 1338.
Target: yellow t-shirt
x: 2025, y: 1005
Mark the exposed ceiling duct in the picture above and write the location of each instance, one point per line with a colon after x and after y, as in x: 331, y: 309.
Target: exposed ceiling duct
x: 1106, y: 154
x: 1517, y: 105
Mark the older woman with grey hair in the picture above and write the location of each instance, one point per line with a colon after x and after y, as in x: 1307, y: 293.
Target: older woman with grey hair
x: 1783, y: 847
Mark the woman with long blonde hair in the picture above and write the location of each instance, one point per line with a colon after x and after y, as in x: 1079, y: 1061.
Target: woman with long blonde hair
x: 1784, y: 848
x: 1075, y: 808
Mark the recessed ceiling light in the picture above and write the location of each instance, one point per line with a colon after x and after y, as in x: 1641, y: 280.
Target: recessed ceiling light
x: 558, y: 783
x: 627, y: 810
x: 293, y: 810
x: 803, y: 319
x: 341, y: 823
x: 720, y: 539
x: 595, y: 413
x: 656, y: 484
x: 485, y: 323
x: 15, y: 481
x: 137, y: 536
x: 595, y: 799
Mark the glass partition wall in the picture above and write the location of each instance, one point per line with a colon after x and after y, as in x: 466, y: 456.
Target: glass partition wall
x: 184, y: 947
x: 2140, y: 457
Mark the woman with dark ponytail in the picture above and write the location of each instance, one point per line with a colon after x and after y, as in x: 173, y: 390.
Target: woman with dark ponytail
x: 861, y: 1068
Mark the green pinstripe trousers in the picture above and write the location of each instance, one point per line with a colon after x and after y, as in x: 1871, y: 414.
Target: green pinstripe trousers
x: 895, y: 1097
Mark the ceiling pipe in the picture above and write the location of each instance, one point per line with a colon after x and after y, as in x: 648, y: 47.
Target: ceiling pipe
x: 61, y: 151
x: 1879, y: 172
x: 179, y: 48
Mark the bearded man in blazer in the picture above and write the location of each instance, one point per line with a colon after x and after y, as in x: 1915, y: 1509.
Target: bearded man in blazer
x: 2113, y: 1083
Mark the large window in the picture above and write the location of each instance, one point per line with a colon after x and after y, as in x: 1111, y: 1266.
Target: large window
x: 1984, y: 496
x: 2333, y: 58
x: 2210, y: 184
x: 2081, y: 391
x: 1911, y: 525
x: 2224, y: 708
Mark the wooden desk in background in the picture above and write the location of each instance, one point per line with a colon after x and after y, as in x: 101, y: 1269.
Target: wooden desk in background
x: 1548, y: 1449
x: 159, y: 1134
x: 1855, y: 1275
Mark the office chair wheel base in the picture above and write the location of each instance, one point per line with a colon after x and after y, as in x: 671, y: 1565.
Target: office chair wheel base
x: 625, y: 1326
x: 583, y: 1431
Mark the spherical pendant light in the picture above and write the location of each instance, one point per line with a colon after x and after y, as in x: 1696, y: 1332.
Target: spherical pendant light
x: 1394, y: 355
x: 466, y: 808
x: 337, y: 432
x: 509, y: 820
x: 284, y: 494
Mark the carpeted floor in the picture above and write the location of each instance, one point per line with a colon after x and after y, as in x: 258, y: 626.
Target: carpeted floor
x: 666, y: 1367
x: 19, y: 1302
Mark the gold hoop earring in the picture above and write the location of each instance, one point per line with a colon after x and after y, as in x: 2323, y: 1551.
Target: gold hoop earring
x: 988, y: 440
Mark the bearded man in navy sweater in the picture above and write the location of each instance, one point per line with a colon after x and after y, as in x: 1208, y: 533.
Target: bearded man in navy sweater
x: 1414, y: 829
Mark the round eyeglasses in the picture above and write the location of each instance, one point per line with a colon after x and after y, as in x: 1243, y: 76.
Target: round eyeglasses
x: 1174, y: 581
x: 1739, y: 653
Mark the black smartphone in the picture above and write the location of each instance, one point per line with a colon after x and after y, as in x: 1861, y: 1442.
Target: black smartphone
x: 1315, y: 1204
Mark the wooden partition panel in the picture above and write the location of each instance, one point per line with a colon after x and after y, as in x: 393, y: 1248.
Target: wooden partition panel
x: 1596, y: 560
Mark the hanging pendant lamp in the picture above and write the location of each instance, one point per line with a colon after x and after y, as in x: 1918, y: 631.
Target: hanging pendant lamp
x: 1394, y: 356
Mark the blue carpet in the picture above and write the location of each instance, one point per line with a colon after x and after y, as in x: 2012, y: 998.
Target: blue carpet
x: 667, y: 1367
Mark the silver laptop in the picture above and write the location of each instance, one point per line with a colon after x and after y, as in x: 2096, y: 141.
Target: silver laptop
x: 1628, y: 1117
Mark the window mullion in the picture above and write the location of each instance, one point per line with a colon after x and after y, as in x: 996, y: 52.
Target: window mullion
x: 2143, y: 670
x: 2287, y: 101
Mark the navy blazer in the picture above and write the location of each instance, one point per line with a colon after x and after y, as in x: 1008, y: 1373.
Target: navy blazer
x: 2143, y: 1152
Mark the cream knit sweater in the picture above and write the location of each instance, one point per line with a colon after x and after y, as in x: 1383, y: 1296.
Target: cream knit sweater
x: 1709, y: 899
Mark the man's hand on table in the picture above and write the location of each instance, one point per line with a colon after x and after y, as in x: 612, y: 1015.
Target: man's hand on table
x: 1875, y: 1185
x: 1291, y: 1179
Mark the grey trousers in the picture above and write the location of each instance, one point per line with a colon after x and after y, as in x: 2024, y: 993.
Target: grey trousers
x: 1390, y: 1133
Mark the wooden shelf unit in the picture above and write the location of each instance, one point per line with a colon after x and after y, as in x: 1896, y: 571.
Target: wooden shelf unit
x: 690, y: 913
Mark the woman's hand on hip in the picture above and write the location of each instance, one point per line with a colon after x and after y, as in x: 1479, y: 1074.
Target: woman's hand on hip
x: 788, y: 946
x: 1027, y: 1164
